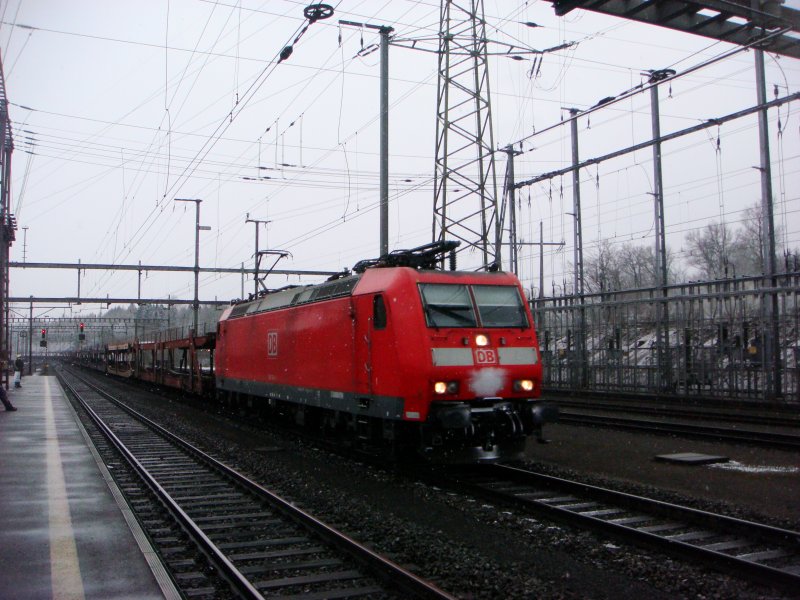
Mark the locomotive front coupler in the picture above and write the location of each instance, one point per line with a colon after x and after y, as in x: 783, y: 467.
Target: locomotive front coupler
x: 453, y: 415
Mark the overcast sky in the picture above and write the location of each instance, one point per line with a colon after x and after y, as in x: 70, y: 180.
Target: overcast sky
x: 118, y: 108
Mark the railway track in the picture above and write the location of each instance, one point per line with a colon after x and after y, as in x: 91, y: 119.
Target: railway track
x: 785, y: 417
x: 769, y: 439
x: 221, y: 535
x: 760, y: 552
x: 766, y: 554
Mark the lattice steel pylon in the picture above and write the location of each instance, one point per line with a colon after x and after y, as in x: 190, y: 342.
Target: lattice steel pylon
x: 465, y: 183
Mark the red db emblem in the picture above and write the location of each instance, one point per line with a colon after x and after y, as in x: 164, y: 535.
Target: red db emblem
x: 272, y: 344
x: 485, y: 356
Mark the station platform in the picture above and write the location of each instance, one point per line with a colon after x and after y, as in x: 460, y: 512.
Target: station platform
x: 65, y: 531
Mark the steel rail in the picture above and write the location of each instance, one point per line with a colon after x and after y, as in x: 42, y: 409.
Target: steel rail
x: 238, y: 581
x: 636, y: 518
x: 761, y: 438
x: 377, y: 565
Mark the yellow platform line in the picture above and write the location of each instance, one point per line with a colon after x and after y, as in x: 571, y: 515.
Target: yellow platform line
x: 65, y: 572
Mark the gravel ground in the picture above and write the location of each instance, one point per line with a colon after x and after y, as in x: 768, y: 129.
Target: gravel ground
x: 758, y: 484
x: 469, y: 548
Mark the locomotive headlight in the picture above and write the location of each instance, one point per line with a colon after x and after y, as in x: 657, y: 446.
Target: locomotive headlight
x: 481, y: 340
x: 523, y: 385
x: 445, y: 387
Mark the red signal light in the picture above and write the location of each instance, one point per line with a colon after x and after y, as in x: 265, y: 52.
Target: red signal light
x: 44, y: 333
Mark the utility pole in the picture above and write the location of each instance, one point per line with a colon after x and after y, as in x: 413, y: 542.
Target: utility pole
x: 661, y: 240
x: 541, y: 259
x: 576, y: 205
x: 662, y: 308
x: 384, y: 32
x: 256, y: 255
x: 30, y: 339
x: 512, y: 209
x: 540, y: 314
x: 580, y: 342
x: 513, y: 242
x: 770, y: 329
x: 197, y: 229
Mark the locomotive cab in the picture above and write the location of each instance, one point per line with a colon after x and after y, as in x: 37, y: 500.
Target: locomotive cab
x: 461, y: 350
x: 485, y: 366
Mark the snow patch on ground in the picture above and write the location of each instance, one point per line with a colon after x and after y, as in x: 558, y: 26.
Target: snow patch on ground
x: 742, y: 468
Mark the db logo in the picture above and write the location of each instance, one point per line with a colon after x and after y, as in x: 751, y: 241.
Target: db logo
x: 272, y: 343
x: 485, y: 356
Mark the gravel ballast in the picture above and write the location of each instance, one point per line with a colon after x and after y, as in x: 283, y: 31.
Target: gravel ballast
x: 468, y: 547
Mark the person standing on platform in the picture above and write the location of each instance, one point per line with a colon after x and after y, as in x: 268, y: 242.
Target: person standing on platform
x: 4, y: 399
x: 18, y: 366
x: 3, y: 394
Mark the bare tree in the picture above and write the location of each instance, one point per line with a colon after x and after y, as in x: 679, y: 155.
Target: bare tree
x: 750, y: 242
x: 791, y: 260
x: 622, y: 267
x: 602, y: 270
x: 711, y: 250
x: 638, y: 265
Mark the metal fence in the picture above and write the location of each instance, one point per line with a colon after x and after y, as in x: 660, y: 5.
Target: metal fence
x: 734, y: 338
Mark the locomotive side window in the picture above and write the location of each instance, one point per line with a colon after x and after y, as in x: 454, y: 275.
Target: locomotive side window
x: 447, y: 305
x: 378, y: 312
x: 500, y: 306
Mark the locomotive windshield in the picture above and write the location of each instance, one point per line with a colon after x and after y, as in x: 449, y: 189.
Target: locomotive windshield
x: 500, y: 306
x: 449, y: 305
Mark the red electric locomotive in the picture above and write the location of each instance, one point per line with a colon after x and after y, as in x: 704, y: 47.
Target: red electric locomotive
x: 396, y: 353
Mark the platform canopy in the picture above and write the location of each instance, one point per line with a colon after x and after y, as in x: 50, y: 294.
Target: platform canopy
x: 736, y: 21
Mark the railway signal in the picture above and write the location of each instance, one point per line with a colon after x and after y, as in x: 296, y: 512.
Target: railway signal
x: 43, y: 341
x: 81, y: 335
